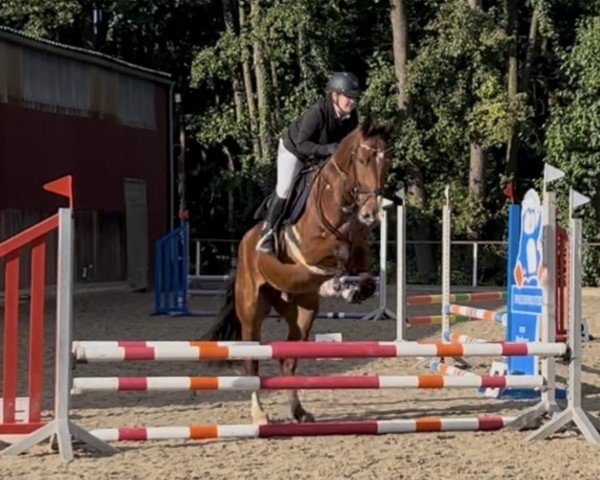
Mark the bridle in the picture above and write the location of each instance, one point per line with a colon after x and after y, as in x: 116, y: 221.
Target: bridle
x: 360, y: 189
x: 354, y: 202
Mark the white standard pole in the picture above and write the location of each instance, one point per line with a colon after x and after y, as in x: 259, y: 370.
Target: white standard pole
x: 197, y: 266
x: 548, y: 320
x: 574, y: 412
x: 475, y: 260
x: 382, y: 312
x: 446, y: 248
x: 401, y: 272
x: 446, y: 263
x: 383, y: 236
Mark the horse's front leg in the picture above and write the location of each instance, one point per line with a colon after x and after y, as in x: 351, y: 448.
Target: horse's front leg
x: 339, y: 287
x: 300, y: 318
x: 342, y: 287
x: 251, y: 332
x: 259, y: 417
x: 367, y: 285
x: 359, y: 262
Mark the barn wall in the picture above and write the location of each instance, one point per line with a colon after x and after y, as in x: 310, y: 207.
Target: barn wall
x: 60, y: 116
x: 99, y: 254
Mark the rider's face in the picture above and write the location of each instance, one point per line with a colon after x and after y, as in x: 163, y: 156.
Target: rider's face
x: 345, y: 104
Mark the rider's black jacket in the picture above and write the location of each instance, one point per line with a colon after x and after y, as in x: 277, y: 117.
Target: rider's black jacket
x: 318, y: 131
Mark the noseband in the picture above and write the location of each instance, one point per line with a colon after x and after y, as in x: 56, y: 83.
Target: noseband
x: 361, y: 189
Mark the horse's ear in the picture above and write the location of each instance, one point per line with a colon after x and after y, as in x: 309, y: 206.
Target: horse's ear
x: 367, y: 127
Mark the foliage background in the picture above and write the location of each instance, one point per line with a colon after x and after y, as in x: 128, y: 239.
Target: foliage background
x: 486, y: 73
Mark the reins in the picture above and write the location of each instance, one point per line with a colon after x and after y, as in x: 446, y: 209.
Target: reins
x: 355, y: 192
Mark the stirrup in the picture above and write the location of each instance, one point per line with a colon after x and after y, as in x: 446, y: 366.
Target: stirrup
x: 286, y: 297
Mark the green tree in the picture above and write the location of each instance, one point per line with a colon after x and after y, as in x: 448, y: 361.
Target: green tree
x: 573, y: 133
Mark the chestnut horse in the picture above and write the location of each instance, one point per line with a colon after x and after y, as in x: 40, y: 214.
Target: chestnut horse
x: 328, y: 242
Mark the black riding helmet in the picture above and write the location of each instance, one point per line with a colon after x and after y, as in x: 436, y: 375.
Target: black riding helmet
x: 345, y: 83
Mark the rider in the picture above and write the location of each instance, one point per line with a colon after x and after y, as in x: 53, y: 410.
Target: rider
x: 316, y: 134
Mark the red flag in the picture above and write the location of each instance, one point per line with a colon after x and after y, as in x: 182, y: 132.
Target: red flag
x: 62, y: 186
x: 509, y: 191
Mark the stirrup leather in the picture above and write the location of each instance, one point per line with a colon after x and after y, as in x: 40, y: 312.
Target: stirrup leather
x: 267, y: 243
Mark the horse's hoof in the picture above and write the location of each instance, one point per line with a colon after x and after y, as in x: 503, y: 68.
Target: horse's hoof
x: 286, y: 297
x: 260, y: 420
x: 304, y: 417
x: 307, y: 417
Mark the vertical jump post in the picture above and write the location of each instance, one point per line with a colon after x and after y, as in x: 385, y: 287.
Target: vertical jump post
x: 401, y: 269
x: 61, y: 427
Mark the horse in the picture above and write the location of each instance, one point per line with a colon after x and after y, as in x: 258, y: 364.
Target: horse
x: 327, y: 243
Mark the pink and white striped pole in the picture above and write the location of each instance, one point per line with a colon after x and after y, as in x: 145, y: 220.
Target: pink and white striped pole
x: 113, y: 384
x: 361, y: 427
x: 186, y: 351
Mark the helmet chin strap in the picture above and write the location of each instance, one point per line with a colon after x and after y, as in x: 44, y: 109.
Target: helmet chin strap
x: 339, y: 112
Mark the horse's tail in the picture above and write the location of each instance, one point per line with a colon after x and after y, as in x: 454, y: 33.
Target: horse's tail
x: 227, y: 325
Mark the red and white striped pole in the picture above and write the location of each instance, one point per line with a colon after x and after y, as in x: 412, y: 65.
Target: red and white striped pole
x: 435, y: 381
x: 361, y: 427
x: 188, y: 351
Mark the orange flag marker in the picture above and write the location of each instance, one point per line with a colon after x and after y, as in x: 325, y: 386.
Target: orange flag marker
x: 62, y: 186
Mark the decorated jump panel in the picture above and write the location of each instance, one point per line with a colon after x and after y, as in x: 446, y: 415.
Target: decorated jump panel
x: 524, y: 276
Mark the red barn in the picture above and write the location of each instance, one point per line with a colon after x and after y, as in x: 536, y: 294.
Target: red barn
x: 66, y: 110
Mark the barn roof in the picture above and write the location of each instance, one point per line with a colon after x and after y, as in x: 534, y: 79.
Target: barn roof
x: 84, y: 55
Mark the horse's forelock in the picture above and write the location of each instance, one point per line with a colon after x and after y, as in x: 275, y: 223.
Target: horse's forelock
x: 381, y: 130
x: 368, y: 130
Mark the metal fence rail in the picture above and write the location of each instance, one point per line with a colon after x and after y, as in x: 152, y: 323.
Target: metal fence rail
x: 219, y: 254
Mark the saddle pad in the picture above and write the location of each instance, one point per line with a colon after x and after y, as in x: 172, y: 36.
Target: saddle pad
x: 296, y: 202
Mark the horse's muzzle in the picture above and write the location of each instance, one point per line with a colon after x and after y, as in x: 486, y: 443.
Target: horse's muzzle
x: 368, y: 217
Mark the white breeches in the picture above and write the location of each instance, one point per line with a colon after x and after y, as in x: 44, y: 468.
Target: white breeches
x: 288, y: 167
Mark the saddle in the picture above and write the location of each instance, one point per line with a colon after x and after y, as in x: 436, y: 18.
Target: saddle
x: 296, y: 202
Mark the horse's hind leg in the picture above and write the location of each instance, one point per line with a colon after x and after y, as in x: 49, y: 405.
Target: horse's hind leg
x: 299, y: 314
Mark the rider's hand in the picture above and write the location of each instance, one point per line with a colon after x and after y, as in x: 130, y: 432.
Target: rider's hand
x: 332, y: 147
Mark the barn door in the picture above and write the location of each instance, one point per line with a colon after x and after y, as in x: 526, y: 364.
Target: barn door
x: 136, y: 229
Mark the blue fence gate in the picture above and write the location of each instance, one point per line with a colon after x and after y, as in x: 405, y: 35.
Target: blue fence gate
x: 171, y: 260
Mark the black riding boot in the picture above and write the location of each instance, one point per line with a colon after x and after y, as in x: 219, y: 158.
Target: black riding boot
x: 267, y: 242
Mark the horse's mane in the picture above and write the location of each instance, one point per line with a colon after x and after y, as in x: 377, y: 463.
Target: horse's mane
x: 344, y: 151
